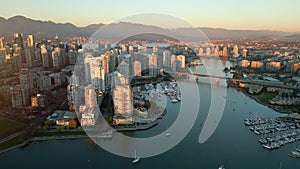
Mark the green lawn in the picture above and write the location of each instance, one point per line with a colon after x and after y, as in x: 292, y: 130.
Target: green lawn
x: 10, y: 143
x: 266, y: 96
x: 8, y: 127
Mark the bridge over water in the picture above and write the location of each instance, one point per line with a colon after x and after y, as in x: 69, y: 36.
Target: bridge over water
x: 246, y: 81
x: 196, y: 75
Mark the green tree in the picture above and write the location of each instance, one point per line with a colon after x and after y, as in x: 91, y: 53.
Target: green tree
x: 46, y: 125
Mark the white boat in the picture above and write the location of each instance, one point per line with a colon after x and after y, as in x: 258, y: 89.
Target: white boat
x: 174, y: 100
x: 136, y: 159
x: 256, y: 132
x: 178, y: 97
x: 168, y: 133
x: 221, y: 167
x: 266, y: 146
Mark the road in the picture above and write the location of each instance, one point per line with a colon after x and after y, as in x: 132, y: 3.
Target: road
x: 250, y: 81
x: 11, y: 137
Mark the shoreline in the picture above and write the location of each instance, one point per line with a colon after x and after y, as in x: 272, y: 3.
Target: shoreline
x: 87, y: 136
x: 273, y: 107
x: 136, y: 128
x: 14, y: 147
x: 49, y: 138
x: 126, y: 129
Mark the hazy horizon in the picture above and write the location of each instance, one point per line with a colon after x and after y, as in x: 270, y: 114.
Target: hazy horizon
x: 231, y: 14
x: 134, y: 22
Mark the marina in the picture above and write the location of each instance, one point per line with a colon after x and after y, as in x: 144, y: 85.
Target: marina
x: 274, y: 133
x: 171, y: 90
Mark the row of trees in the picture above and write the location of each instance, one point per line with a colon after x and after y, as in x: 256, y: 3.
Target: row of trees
x: 73, y: 124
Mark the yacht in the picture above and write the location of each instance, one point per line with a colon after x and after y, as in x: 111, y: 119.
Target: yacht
x: 136, y: 159
x: 174, y: 100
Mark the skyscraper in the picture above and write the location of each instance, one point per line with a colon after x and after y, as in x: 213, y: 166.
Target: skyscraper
x: 94, y: 65
x: 99, y: 79
x: 153, y: 60
x: 245, y: 51
x: 112, y: 60
x: 123, y: 68
x: 56, y: 58
x: 1, y: 42
x: 225, y: 52
x: 153, y: 65
x: 166, y: 58
x: 181, y: 59
x: 130, y: 49
x: 90, y: 96
x: 18, y: 39
x: 123, y: 100
x: 235, y: 51
x: 19, y: 96
x: 137, y: 68
x: 200, y: 52
x: 72, y: 57
x: 30, y: 42
x: 96, y: 72
x: 45, y: 57
x: 159, y: 60
x: 87, y: 67
x: 105, y: 64
x: 173, y: 63
x: 24, y: 78
x: 216, y: 51
x: 122, y: 95
x: 208, y: 51
x: 29, y: 57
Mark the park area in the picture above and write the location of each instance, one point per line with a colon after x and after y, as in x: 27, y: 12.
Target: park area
x: 8, y: 127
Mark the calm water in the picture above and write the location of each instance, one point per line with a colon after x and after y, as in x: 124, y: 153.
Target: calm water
x: 232, y: 144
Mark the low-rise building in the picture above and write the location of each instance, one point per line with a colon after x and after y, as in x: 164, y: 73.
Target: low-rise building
x: 61, y: 117
x: 254, y: 89
x: 257, y: 64
x: 88, y: 117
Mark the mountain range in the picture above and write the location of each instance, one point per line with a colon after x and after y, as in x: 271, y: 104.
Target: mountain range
x: 21, y: 24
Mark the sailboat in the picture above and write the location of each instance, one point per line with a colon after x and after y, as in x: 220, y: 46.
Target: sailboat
x: 136, y: 159
x: 168, y: 133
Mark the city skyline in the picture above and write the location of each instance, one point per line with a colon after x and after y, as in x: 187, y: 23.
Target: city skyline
x: 232, y: 14
x: 155, y: 84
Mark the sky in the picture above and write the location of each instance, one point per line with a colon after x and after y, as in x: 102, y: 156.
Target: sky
x: 283, y: 15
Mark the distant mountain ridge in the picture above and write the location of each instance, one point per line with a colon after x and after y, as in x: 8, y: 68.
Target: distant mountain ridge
x: 21, y: 24
x: 26, y: 26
